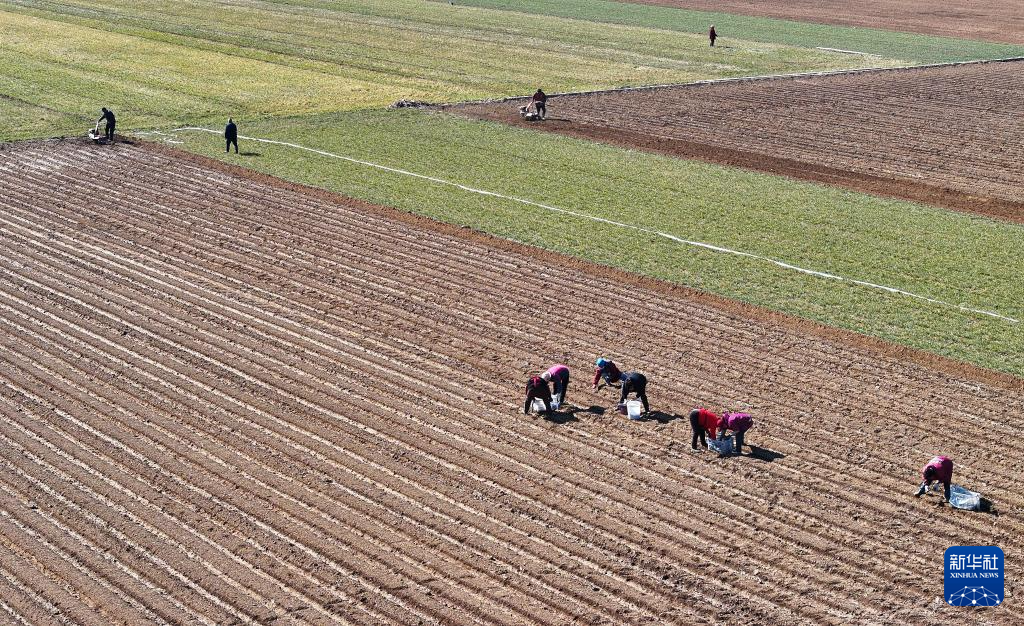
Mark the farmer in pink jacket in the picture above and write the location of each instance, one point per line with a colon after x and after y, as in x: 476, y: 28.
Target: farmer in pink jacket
x: 938, y: 469
x: 738, y: 423
x: 558, y: 376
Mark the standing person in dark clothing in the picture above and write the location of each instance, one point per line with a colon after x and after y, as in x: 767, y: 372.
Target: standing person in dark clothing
x: 635, y: 382
x: 231, y: 136
x: 537, y: 387
x: 108, y: 117
x: 712, y: 35
x: 540, y: 102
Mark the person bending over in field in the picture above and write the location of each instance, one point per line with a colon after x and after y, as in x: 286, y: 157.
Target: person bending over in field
x: 540, y: 103
x: 231, y: 136
x: 635, y: 382
x: 703, y: 422
x: 738, y: 423
x: 108, y: 117
x: 537, y: 388
x: 608, y: 371
x: 558, y: 374
x: 938, y: 469
x: 712, y: 35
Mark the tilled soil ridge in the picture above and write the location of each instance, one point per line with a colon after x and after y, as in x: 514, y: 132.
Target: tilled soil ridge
x: 945, y: 136
x: 228, y: 400
x: 1001, y: 21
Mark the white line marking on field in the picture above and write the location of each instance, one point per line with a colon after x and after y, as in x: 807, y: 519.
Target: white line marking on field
x: 840, y: 50
x: 641, y: 229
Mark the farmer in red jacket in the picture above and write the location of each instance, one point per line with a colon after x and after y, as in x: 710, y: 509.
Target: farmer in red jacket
x: 703, y: 422
x: 938, y: 469
x: 608, y: 370
x: 738, y: 423
x: 537, y: 387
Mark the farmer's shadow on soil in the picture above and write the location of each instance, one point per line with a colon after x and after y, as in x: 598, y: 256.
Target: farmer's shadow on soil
x: 764, y: 454
x: 250, y: 154
x: 661, y: 418
x: 561, y: 417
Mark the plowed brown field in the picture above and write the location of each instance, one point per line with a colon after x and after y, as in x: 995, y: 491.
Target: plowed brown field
x: 948, y: 136
x: 230, y: 400
x: 968, y: 19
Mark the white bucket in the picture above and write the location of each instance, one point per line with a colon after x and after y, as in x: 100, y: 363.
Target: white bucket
x: 634, y: 408
x: 538, y: 405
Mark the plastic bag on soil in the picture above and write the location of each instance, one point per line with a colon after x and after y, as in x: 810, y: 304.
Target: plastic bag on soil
x: 722, y: 446
x: 961, y: 498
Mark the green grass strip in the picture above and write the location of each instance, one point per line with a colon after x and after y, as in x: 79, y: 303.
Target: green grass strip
x: 910, y: 46
x: 157, y: 62
x: 956, y: 258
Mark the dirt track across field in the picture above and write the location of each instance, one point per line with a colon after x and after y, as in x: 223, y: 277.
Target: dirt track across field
x: 968, y: 19
x: 947, y: 136
x: 231, y: 400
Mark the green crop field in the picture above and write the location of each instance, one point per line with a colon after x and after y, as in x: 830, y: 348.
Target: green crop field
x: 321, y: 72
x: 158, y: 63
x: 913, y: 47
x: 956, y: 258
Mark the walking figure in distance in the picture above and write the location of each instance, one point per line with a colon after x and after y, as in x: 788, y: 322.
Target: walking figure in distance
x: 712, y: 35
x: 231, y: 136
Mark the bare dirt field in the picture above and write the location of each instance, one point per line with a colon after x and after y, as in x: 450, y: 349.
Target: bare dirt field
x: 948, y: 136
x: 230, y: 400
x: 968, y: 19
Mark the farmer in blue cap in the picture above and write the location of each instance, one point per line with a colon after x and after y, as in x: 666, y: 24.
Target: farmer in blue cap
x: 606, y: 369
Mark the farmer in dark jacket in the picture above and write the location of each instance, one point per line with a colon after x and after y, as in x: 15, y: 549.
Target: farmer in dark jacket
x: 540, y: 102
x: 231, y: 136
x: 635, y: 382
x: 712, y: 35
x: 108, y: 117
x: 537, y: 387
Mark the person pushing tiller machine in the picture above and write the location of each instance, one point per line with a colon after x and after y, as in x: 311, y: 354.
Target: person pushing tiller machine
x: 537, y: 108
x: 108, y: 131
